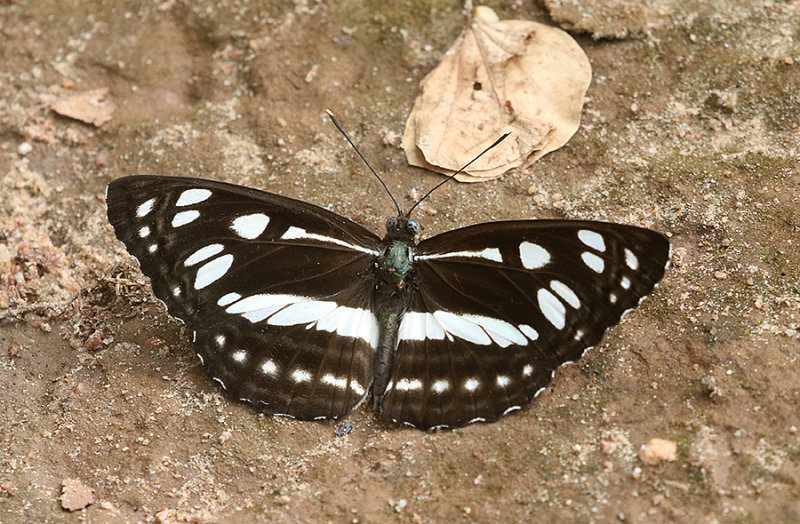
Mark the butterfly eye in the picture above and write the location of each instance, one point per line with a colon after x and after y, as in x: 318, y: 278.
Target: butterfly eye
x: 391, y: 224
x: 413, y: 227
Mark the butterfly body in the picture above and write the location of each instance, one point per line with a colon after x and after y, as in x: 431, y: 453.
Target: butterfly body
x: 302, y: 312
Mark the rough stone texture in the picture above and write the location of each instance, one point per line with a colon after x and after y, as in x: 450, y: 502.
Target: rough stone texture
x: 600, y: 18
x: 219, y: 90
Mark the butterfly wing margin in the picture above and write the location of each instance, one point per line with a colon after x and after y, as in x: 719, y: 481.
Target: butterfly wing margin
x: 499, y: 307
x: 261, y: 279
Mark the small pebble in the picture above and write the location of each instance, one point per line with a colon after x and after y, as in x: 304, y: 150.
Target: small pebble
x: 75, y: 495
x: 714, y: 392
x: 312, y: 74
x: 24, y: 148
x: 720, y: 275
x: 343, y: 429
x: 659, y: 450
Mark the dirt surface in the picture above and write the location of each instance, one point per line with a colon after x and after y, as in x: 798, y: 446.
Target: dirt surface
x: 691, y: 127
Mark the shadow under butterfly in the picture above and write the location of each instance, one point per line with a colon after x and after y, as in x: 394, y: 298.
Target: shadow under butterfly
x: 303, y: 312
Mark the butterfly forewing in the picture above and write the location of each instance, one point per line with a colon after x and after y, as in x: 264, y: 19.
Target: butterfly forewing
x: 279, y: 292
x: 498, y: 307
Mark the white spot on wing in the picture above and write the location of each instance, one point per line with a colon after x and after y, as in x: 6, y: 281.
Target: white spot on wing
x: 552, y: 308
x: 533, y: 256
x: 144, y: 232
x: 152, y: 248
x: 405, y: 384
x: 594, y: 262
x: 592, y: 239
x: 630, y: 259
x: 566, y: 293
x: 184, y: 217
x: 239, y: 355
x: 471, y: 384
x: 212, y: 271
x: 527, y: 370
x: 145, y: 208
x: 357, y: 388
x: 228, y: 299
x: 625, y: 283
x: 440, y: 386
x: 340, y: 383
x: 503, y: 381
x: 301, y: 375
x: 250, y: 226
x: 220, y: 340
x: 612, y: 298
x: 192, y: 196
x: 490, y: 253
x: 268, y: 367
x: 203, y: 253
x: 529, y: 331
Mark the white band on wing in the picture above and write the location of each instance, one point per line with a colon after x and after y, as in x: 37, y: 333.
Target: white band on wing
x: 292, y: 310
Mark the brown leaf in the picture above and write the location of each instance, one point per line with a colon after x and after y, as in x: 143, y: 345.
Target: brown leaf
x: 499, y: 76
x: 91, y: 106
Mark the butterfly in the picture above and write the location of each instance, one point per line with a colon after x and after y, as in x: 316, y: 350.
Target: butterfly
x: 305, y: 313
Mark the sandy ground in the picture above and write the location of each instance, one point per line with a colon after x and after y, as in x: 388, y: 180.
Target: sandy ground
x: 691, y: 127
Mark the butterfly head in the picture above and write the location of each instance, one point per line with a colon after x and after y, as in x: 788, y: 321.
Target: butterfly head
x: 402, y: 228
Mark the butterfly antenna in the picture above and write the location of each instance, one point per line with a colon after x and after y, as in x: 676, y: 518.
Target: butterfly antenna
x: 339, y: 127
x: 451, y: 177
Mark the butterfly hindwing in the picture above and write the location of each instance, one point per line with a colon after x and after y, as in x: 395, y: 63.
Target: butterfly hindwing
x: 278, y: 291
x: 498, y: 307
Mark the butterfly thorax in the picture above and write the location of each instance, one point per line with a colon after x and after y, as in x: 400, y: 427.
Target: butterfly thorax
x: 396, y: 257
x: 395, y: 262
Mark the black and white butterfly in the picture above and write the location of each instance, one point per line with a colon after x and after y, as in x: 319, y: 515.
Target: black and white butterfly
x: 303, y: 312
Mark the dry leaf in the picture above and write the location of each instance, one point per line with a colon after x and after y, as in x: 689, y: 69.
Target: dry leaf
x: 91, y: 106
x: 499, y: 76
x: 75, y: 495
